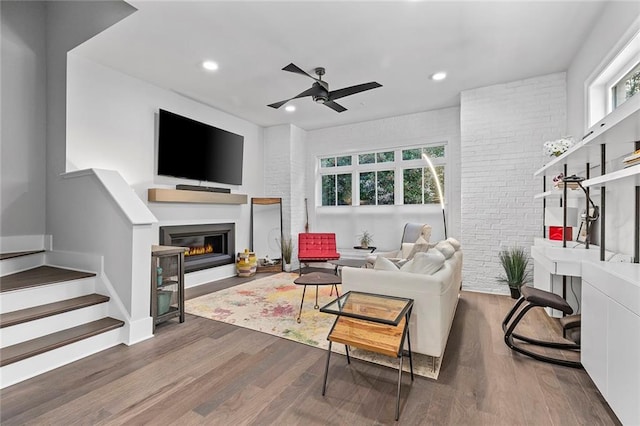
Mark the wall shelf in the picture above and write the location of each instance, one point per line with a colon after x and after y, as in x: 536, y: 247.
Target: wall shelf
x: 618, y: 130
x: 630, y: 173
x: 166, y: 195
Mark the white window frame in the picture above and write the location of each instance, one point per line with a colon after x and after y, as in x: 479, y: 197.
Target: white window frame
x: 398, y: 166
x: 625, y: 55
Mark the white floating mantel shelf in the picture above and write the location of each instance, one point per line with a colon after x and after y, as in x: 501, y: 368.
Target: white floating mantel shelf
x: 165, y: 195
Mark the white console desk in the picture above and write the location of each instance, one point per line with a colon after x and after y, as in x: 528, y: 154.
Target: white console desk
x: 609, y: 298
x: 555, y: 266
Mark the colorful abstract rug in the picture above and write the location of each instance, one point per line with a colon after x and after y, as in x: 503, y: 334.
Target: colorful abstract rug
x: 271, y: 305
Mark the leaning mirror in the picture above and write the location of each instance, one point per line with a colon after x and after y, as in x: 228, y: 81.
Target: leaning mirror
x: 266, y: 233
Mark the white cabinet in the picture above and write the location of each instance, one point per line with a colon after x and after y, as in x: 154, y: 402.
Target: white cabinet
x: 611, y: 334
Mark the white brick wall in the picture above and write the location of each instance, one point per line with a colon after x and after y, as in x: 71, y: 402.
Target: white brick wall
x: 502, y: 131
x: 284, y: 171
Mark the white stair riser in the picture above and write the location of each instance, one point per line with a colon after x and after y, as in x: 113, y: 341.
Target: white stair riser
x: 29, y: 297
x: 43, y: 326
x: 31, y: 367
x: 22, y: 263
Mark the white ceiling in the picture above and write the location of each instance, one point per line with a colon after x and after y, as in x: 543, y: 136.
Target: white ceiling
x: 399, y: 44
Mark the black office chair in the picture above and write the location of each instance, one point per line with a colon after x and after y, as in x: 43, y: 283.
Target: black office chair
x: 531, y: 298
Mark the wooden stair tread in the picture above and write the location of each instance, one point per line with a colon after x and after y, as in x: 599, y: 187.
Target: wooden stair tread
x: 33, y: 347
x: 24, y: 315
x: 40, y: 275
x: 11, y: 255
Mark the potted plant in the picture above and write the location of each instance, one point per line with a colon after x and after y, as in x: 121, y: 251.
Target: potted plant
x: 515, y: 261
x: 365, y: 239
x: 286, y: 246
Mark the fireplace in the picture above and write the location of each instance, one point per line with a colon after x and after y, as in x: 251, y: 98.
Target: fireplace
x: 210, y: 245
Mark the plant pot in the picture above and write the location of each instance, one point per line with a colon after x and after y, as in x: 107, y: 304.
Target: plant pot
x: 515, y: 292
x: 287, y: 267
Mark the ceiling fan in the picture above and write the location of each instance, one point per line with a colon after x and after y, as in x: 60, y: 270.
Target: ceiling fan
x: 319, y: 90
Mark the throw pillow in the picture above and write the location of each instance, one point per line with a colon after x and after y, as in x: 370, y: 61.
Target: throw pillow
x: 455, y: 243
x: 421, y: 245
x: 384, y: 264
x: 406, y: 250
x: 445, y: 248
x: 425, y: 263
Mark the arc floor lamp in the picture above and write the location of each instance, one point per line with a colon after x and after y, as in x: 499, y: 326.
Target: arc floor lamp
x: 439, y: 188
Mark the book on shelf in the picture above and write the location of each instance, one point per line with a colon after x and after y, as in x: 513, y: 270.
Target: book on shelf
x: 631, y: 157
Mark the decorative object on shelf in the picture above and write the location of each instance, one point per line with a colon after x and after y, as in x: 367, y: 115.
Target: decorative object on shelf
x: 286, y: 245
x: 553, y: 218
x: 515, y: 261
x: 439, y: 188
x: 558, y: 147
x: 164, y: 301
x: 159, y: 276
x: 558, y: 182
x: 593, y: 212
x: 246, y: 264
x: 366, y: 238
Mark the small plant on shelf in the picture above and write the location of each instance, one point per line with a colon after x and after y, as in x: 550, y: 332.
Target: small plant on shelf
x: 366, y: 239
x: 515, y: 261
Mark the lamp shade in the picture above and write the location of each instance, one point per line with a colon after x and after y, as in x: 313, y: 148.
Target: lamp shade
x: 553, y: 216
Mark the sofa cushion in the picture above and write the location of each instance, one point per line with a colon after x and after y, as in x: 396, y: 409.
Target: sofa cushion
x: 421, y: 245
x: 425, y: 263
x: 384, y: 264
x: 455, y: 243
x: 445, y: 248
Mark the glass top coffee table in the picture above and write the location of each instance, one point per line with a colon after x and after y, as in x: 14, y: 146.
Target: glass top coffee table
x: 372, y: 322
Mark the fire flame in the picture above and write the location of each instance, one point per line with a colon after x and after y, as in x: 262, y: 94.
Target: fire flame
x: 193, y: 251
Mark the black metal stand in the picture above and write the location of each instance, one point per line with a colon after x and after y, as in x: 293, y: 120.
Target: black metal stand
x: 509, y: 326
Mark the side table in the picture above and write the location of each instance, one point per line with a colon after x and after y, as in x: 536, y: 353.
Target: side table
x: 372, y: 322
x: 167, y: 283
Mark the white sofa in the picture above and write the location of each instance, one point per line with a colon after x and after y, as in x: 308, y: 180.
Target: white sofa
x: 435, y: 298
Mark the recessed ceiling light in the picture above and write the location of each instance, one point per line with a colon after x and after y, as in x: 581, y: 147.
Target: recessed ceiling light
x: 290, y: 108
x: 210, y: 65
x: 439, y: 76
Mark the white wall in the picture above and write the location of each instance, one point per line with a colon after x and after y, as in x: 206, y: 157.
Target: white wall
x: 598, y: 49
x: 386, y: 222
x: 23, y: 130
x: 503, y: 128
x: 112, y: 121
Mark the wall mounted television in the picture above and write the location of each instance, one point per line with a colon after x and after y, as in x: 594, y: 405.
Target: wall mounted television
x: 193, y: 150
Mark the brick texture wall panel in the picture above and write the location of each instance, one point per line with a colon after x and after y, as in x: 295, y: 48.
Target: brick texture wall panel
x: 502, y: 131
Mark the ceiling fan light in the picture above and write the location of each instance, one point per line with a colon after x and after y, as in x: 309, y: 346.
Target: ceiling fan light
x: 320, y: 99
x: 290, y: 108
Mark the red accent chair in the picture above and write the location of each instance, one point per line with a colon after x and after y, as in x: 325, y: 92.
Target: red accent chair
x: 316, y: 247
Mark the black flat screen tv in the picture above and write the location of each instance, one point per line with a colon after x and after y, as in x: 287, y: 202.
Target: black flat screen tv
x: 193, y: 150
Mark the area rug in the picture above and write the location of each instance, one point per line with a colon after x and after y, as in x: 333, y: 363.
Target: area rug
x: 271, y: 305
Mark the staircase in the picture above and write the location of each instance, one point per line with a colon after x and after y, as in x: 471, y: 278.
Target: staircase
x: 49, y: 316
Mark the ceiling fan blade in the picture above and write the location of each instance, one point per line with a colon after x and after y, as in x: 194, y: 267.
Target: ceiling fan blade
x: 296, y: 69
x: 335, y: 106
x: 309, y: 92
x: 347, y: 91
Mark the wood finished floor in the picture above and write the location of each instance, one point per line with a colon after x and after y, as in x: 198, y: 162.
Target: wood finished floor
x: 207, y: 372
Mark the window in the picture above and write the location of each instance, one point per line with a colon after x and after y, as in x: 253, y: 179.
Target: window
x: 398, y: 176
x: 616, y: 81
x: 336, y: 187
x: 419, y: 184
x: 626, y: 87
